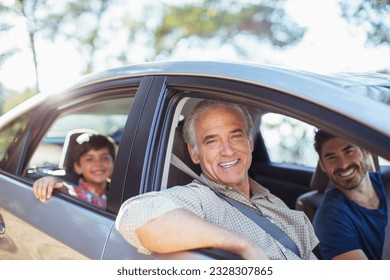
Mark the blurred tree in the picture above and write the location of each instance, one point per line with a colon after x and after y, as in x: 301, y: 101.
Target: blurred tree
x: 225, y: 21
x: 15, y: 98
x: 28, y: 11
x: 2, y: 98
x: 78, y: 20
x: 373, y: 15
x: 4, y: 53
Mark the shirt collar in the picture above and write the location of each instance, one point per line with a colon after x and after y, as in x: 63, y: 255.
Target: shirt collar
x: 257, y: 190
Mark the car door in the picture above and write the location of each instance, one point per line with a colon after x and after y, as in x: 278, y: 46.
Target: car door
x: 64, y: 227
x: 150, y: 143
x: 148, y: 165
x: 156, y: 132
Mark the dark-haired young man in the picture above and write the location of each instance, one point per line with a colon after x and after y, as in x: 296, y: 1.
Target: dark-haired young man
x: 351, y: 221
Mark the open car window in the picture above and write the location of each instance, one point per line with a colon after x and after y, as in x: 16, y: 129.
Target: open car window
x: 106, y: 117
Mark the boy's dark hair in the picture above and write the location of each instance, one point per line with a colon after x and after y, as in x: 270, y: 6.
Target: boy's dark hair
x: 320, y: 138
x: 87, y: 142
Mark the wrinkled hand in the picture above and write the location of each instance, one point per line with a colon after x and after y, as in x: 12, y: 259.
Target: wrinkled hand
x: 43, y: 188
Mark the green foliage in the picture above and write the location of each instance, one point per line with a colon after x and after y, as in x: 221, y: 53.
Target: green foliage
x: 226, y: 20
x: 16, y: 98
x: 5, y: 26
x: 79, y: 21
x: 2, y: 98
x: 91, y: 26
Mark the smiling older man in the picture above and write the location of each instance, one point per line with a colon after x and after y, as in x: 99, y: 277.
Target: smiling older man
x: 194, y: 216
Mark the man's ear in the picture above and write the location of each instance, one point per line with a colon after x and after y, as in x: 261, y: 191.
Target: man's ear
x: 77, y: 168
x: 193, y: 154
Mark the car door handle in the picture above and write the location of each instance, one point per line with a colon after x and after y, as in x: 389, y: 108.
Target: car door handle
x: 2, y: 226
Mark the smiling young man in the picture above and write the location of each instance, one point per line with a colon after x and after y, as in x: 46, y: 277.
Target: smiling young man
x: 351, y: 221
x: 194, y: 216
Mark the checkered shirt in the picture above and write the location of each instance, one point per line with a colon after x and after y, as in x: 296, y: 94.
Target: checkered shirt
x: 203, y: 202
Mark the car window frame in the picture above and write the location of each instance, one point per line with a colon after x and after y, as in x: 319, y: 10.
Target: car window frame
x: 247, y: 94
x: 50, y: 110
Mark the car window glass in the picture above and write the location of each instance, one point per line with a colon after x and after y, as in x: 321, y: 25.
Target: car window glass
x: 288, y: 140
x: 383, y: 161
x: 106, y: 117
x: 9, y: 137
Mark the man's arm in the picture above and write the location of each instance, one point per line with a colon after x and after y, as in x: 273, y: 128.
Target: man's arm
x: 180, y: 230
x: 357, y: 254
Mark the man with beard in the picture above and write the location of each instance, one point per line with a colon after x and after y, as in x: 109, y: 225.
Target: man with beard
x: 351, y: 221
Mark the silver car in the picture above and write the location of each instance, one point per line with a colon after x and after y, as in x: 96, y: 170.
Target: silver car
x: 142, y: 108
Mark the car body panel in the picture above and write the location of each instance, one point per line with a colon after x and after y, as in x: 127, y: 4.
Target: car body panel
x: 36, y: 217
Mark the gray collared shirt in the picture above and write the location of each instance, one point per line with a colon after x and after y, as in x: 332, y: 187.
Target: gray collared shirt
x: 203, y: 202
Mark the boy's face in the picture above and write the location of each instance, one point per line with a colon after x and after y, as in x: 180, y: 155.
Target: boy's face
x: 95, y: 166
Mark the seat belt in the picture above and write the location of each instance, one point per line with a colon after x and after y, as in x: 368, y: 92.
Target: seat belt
x: 256, y: 217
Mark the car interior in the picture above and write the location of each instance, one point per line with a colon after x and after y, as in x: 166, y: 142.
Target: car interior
x: 306, y: 200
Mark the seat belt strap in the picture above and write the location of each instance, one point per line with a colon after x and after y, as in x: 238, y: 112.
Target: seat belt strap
x: 256, y: 217
x: 269, y: 227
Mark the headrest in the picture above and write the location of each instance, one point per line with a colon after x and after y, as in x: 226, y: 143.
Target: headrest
x: 177, y: 176
x: 181, y: 151
x: 319, y: 180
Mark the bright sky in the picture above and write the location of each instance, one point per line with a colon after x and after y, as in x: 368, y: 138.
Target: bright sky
x: 329, y: 45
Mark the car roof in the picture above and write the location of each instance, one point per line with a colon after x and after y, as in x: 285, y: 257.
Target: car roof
x: 335, y: 92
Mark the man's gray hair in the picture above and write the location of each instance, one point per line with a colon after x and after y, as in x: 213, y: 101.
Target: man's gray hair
x: 209, y: 105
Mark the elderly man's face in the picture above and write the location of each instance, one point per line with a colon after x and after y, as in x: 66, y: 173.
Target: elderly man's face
x: 224, y: 149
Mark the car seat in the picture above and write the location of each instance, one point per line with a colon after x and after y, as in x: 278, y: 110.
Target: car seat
x: 310, y: 201
x: 176, y: 176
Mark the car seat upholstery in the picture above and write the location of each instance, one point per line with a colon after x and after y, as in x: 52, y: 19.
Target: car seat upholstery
x: 176, y: 176
x: 310, y: 201
x: 46, y: 154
